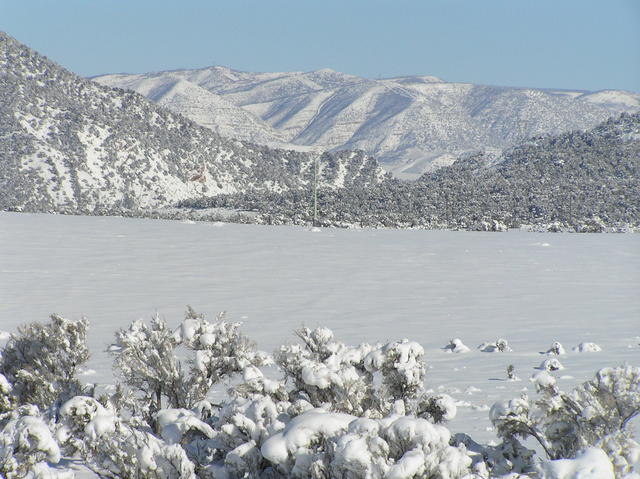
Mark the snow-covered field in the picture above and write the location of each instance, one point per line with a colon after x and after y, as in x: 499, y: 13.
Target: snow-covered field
x: 366, y: 285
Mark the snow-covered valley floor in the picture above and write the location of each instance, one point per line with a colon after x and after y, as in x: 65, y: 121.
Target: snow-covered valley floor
x: 366, y: 285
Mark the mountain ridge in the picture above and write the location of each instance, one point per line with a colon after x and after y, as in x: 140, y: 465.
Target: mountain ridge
x: 575, y: 181
x: 411, y: 124
x: 70, y: 144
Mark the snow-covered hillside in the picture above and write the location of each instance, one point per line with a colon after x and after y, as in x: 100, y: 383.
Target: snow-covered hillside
x: 67, y: 143
x: 411, y: 124
x: 207, y: 109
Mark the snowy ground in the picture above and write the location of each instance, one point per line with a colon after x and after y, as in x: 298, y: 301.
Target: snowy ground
x: 366, y: 285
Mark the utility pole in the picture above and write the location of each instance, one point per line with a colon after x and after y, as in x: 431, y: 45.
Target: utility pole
x: 315, y: 192
x: 570, y: 207
x: 446, y: 209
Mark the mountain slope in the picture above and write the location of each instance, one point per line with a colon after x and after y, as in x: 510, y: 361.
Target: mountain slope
x: 69, y: 144
x: 411, y: 124
x: 565, y: 178
x: 577, y: 181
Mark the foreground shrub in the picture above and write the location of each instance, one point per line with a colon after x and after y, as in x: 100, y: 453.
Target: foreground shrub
x: 41, y: 362
x: 354, y: 380
x: 115, y: 448
x: 147, y: 360
x: 337, y: 411
x: 596, y: 413
x: 27, y: 445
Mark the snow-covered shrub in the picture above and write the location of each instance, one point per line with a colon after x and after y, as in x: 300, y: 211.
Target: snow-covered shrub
x: 355, y: 380
x: 41, y: 361
x: 221, y: 350
x: 456, y: 346
x: 302, y: 447
x: 258, y: 408
x: 113, y: 448
x: 147, y: 359
x: 326, y: 372
x: 592, y: 463
x: 26, y: 444
x: 596, y: 413
x: 6, y: 397
x: 556, y: 227
x: 592, y: 225
x: 624, y: 452
x: 402, y: 367
x: 500, y: 346
x: 329, y: 386
x: 339, y: 412
x: 607, y: 405
x: 556, y: 349
x: 489, y: 225
x: 508, y: 460
x: 551, y: 364
x: 182, y: 366
x: 545, y: 382
x: 514, y: 418
x: 321, y: 444
x: 437, y: 408
x: 587, y: 348
x: 421, y: 449
x: 176, y: 425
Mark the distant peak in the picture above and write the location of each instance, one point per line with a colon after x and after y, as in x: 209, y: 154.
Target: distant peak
x: 219, y: 68
x: 417, y: 79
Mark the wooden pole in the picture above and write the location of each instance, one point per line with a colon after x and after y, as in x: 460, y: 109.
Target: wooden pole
x: 315, y: 193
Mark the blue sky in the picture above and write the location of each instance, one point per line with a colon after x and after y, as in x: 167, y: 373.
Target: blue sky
x: 574, y: 44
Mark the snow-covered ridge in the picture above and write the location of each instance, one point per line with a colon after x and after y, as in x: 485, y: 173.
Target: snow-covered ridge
x: 67, y: 143
x: 411, y: 124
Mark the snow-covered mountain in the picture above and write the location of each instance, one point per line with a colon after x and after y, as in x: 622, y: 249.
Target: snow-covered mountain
x: 68, y: 143
x: 410, y: 124
x: 574, y: 181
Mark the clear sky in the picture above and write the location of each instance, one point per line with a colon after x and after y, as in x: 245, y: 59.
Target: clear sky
x: 573, y: 44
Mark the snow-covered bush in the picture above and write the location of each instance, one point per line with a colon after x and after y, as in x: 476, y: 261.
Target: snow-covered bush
x: 112, y: 447
x: 27, y: 445
x: 338, y: 412
x: 402, y: 368
x: 596, y: 413
x: 592, y: 225
x: 257, y: 409
x: 556, y: 349
x: 489, y: 225
x: 508, y: 460
x: 551, y: 364
x: 326, y: 372
x: 500, y: 346
x: 587, y: 348
x: 624, y: 452
x: 456, y: 346
x: 147, y: 359
x: 511, y: 373
x: 322, y: 444
x: 324, y: 379
x: 41, y: 361
x: 598, y: 408
x: 176, y: 426
x: 6, y: 395
x: 355, y: 380
x: 592, y: 463
x: 438, y: 408
x: 545, y: 382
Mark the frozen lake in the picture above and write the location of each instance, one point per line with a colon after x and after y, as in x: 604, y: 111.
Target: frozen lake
x: 366, y: 285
